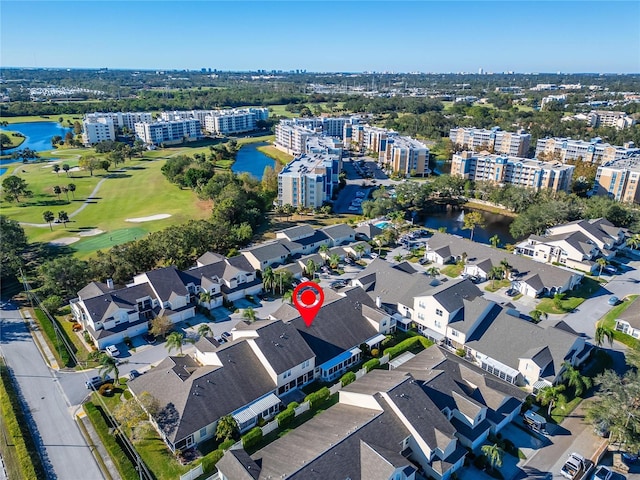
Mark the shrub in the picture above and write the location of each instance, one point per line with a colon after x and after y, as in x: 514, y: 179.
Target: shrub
x: 318, y: 397
x: 371, y: 364
x: 285, y: 417
x: 374, y: 352
x: 105, y: 389
x: 252, y: 438
x: 460, y: 352
x: 347, y: 378
x: 128, y: 342
x: 227, y: 444
x: 210, y: 459
x: 407, y: 344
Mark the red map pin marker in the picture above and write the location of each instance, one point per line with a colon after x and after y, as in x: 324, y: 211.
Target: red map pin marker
x: 308, y: 298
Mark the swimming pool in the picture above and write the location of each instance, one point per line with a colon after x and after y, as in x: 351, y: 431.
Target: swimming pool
x: 381, y: 225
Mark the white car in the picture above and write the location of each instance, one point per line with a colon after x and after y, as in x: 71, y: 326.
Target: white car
x: 112, y: 351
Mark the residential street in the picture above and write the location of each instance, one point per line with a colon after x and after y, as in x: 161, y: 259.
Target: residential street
x: 66, y: 455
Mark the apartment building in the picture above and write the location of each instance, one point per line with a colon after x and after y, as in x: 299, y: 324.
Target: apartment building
x: 594, y: 151
x: 97, y: 129
x: 292, y: 134
x: 308, y: 180
x: 552, y: 99
x: 602, y: 118
x: 519, y: 171
x: 406, y: 156
x: 121, y: 119
x: 619, y: 179
x: 168, y: 132
x: 494, y: 140
x: 225, y: 122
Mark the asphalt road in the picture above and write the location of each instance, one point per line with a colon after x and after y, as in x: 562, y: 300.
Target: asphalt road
x: 65, y: 454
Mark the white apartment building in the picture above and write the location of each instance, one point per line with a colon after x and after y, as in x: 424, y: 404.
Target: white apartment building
x: 595, y: 151
x: 495, y: 140
x: 225, y: 122
x: 552, y: 99
x: 292, y: 138
x: 602, y: 118
x: 512, y: 170
x: 97, y: 129
x: 168, y: 132
x: 121, y: 119
x: 308, y: 180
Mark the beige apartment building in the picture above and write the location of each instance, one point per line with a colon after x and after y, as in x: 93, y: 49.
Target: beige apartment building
x: 595, y: 151
x: 406, y: 156
x: 501, y: 169
x: 494, y: 140
x: 619, y: 180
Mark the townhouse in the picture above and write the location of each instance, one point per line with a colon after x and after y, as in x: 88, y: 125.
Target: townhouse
x: 494, y: 140
x: 223, y: 122
x: 519, y: 171
x: 594, y: 151
x: 575, y: 245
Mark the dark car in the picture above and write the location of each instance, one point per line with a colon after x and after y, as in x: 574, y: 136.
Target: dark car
x: 226, y: 336
x: 150, y: 339
x: 613, y: 300
x: 134, y: 374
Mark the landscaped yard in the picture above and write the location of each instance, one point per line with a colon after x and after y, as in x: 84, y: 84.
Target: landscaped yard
x: 572, y: 299
x: 495, y: 285
x: 609, y: 321
x: 452, y: 270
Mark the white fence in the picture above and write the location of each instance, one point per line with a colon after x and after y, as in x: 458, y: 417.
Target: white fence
x: 270, y: 427
x: 361, y: 373
x: 384, y: 359
x: 303, y: 407
x: 193, y: 473
x: 335, y: 388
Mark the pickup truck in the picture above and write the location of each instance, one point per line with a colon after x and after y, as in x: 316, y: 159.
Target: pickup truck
x: 576, y: 467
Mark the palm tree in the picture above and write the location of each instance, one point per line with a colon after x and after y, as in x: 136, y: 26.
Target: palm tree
x: 57, y: 191
x: 226, y: 428
x: 634, y: 242
x: 551, y: 396
x: 66, y: 168
x: 506, y: 268
x: 603, y: 333
x: 48, y: 217
x: 249, y: 314
x: 471, y: 221
x: 334, y: 260
x: 602, y: 262
x: 204, y: 330
x: 63, y: 217
x: 379, y: 241
x: 494, y: 455
x: 495, y: 241
x: 495, y: 274
x: 575, y: 379
x: 72, y: 188
x: 108, y: 365
x: 205, y: 298
x: 433, y: 272
x: 324, y: 249
x: 311, y: 267
x: 269, y: 279
x: 56, y: 168
x: 537, y: 315
x: 175, y: 340
x: 288, y: 296
x: 359, y: 249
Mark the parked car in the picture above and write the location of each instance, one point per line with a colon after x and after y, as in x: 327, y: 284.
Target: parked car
x: 97, y: 382
x: 602, y: 473
x: 150, y: 339
x: 613, y: 300
x: 338, y: 284
x: 574, y: 467
x: 630, y: 457
x: 134, y: 374
x: 610, y: 269
x: 112, y: 351
x: 423, y: 261
x: 226, y: 336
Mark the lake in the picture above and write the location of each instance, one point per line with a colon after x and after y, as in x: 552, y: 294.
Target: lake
x: 38, y: 134
x: 452, y: 220
x: 250, y: 159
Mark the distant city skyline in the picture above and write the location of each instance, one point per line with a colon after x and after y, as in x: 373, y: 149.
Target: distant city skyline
x: 329, y: 36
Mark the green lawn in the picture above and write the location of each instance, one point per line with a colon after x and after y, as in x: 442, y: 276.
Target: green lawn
x: 609, y: 321
x: 16, y: 140
x: 495, y: 285
x: 278, y: 155
x: 43, y: 118
x: 571, y: 299
x: 452, y: 270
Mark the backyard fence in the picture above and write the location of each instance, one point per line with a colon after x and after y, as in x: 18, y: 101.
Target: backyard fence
x: 193, y: 473
x: 269, y: 427
x: 303, y: 407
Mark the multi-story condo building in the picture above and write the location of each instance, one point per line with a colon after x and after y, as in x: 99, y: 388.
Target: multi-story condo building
x: 406, y: 156
x: 513, y: 170
x: 602, y: 118
x: 121, y: 119
x: 619, y: 179
x: 224, y: 122
x: 97, y: 129
x: 595, y: 151
x: 552, y: 99
x: 168, y: 132
x: 292, y: 134
x: 308, y: 180
x: 322, y: 144
x: 494, y: 140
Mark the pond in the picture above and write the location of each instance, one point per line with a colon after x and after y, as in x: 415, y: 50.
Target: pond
x: 250, y: 159
x: 453, y: 221
x: 38, y: 134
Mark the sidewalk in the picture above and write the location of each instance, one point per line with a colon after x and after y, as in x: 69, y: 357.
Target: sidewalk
x: 103, y: 459
x: 39, y: 340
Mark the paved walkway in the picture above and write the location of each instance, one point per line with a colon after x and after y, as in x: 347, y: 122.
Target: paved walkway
x: 40, y: 341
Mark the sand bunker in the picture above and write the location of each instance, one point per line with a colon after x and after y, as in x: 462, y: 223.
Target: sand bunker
x: 160, y: 216
x: 91, y: 233
x: 64, y: 241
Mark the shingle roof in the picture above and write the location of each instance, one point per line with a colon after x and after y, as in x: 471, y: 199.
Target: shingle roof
x: 268, y: 251
x: 451, y: 295
x: 632, y: 314
x: 238, y: 465
x: 241, y: 262
x: 209, y: 257
x: 191, y: 396
x: 283, y: 346
x: 104, y: 306
x: 167, y: 282
x: 369, y: 230
x: 339, y: 231
x: 93, y: 289
x: 294, y: 233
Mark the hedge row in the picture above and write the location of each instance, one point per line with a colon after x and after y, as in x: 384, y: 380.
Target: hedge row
x: 347, y: 378
x: 59, y: 351
x: 317, y: 397
x: 285, y: 417
x: 371, y: 364
x: 251, y: 438
x: 17, y: 430
x: 122, y: 462
x: 407, y: 344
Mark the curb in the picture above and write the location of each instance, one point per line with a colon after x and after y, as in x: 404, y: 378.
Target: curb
x: 94, y: 450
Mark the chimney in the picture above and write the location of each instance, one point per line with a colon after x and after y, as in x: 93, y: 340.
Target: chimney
x: 110, y: 283
x: 378, y: 302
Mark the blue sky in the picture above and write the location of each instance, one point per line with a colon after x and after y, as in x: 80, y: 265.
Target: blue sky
x: 425, y: 36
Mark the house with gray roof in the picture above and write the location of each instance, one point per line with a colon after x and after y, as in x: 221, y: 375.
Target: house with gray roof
x: 368, y: 231
x: 571, y: 249
x: 607, y: 237
x: 296, y: 233
x: 171, y: 292
x: 340, y: 234
x: 527, y: 276
x: 266, y: 254
x: 628, y: 322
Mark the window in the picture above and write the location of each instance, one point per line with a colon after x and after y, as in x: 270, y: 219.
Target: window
x: 203, y: 432
x: 438, y: 312
x: 437, y: 324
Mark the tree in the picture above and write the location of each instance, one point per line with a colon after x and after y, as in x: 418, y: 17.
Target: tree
x: 324, y: 249
x: 602, y: 262
x: 506, y: 267
x: 575, y: 379
x: 131, y: 413
x: 57, y: 191
x: 175, y: 341
x: 89, y: 163
x: 56, y: 168
x: 537, y: 315
x: 334, y: 260
x: 495, y: 241
x: 205, y: 298
x: 72, y: 188
x: 160, y: 326
x: 204, y: 330
x: 64, y: 276
x: 66, y: 168
x: 48, y: 217
x: 433, y: 272
x: 5, y: 141
x: 249, y: 314
x: 269, y: 279
x: 551, y: 396
x: 494, y: 455
x: 108, y: 365
x: 359, y: 249
x: 227, y: 428
x: 288, y: 296
x: 603, y: 333
x: 471, y: 221
x: 311, y: 267
x: 634, y: 241
x: 63, y: 217
x: 14, y: 187
x: 104, y: 165
x: 13, y: 243
x: 495, y: 274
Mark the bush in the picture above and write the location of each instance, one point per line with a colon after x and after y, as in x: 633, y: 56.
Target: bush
x: 210, y: 459
x: 227, y: 444
x: 374, y: 352
x: 285, y: 417
x: 317, y: 398
x: 460, y: 352
x: 252, y: 438
x: 128, y: 342
x: 347, y: 378
x: 371, y: 364
x: 105, y: 389
x: 407, y: 344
